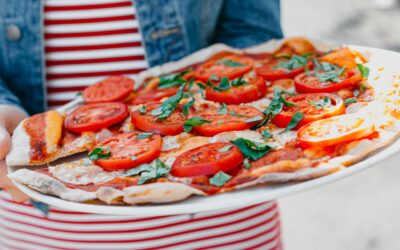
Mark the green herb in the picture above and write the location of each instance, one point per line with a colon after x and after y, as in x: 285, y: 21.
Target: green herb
x: 350, y: 100
x: 294, y: 62
x: 213, y: 78
x: 220, y: 179
x: 187, y: 106
x: 246, y: 163
x: 223, y: 109
x: 325, y: 66
x: 296, y: 118
x: 252, y: 149
x: 100, y: 153
x: 225, y: 149
x: 321, y: 103
x: 230, y: 63
x: 223, y: 84
x: 172, y: 80
x: 142, y: 136
x: 254, y: 119
x: 138, y: 170
x: 234, y: 113
x: 169, y: 105
x: 356, y: 92
x: 330, y: 75
x: 160, y: 170
x: 142, y: 109
x: 266, y: 134
x: 238, y: 82
x: 192, y: 122
x: 364, y: 70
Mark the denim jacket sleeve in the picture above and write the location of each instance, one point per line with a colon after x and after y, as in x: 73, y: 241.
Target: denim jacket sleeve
x: 6, y: 96
x: 246, y: 23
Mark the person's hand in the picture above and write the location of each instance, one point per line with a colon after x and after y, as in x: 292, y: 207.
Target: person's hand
x: 10, y: 116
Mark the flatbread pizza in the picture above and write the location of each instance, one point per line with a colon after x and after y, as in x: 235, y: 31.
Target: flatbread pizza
x: 210, y: 124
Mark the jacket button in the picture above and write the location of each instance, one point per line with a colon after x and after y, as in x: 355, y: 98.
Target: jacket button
x: 13, y: 32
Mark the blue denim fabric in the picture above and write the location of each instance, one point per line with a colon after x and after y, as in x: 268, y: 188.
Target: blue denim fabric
x: 171, y: 29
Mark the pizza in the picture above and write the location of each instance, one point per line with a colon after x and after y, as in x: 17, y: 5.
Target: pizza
x: 214, y: 122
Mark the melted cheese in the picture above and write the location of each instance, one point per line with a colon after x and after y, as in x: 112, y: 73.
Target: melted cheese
x: 233, y: 135
x: 173, y: 141
x: 261, y: 104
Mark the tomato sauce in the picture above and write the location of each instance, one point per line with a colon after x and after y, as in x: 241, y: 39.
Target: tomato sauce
x: 35, y: 127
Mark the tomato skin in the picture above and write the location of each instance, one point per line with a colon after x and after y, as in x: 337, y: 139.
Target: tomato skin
x: 172, y: 125
x: 154, y: 95
x: 212, y: 67
x: 226, y: 122
x: 347, y: 127
x: 310, y: 84
x: 241, y: 94
x: 207, y: 160
x: 111, y: 89
x: 124, y: 146
x: 95, y: 116
x: 267, y: 71
x: 311, y: 113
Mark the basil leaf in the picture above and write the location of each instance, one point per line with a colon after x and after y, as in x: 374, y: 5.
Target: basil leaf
x: 238, y: 82
x: 223, y: 84
x: 220, y: 179
x: 187, y: 106
x: 223, y: 109
x: 160, y: 170
x: 100, y: 153
x: 225, y: 149
x: 364, y: 70
x: 169, y: 105
x: 294, y: 62
x: 192, y: 122
x: 138, y: 170
x: 330, y: 75
x: 142, y: 136
x: 356, y: 92
x: 142, y: 109
x: 254, y: 119
x: 230, y: 63
x: 251, y: 149
x: 172, y: 80
x: 234, y: 113
x: 266, y: 134
x: 350, y: 100
x: 296, y: 118
x: 246, y: 163
x: 325, y: 66
x: 321, y: 103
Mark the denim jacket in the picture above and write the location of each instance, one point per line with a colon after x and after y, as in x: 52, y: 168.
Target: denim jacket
x: 171, y: 29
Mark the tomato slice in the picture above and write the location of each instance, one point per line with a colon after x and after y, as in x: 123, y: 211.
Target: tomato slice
x: 127, y: 151
x: 231, y: 66
x: 236, y: 118
x: 311, y: 112
x: 95, y: 116
x: 270, y: 71
x: 171, y: 125
x: 335, y: 130
x: 111, y: 89
x: 154, y: 95
x: 309, y: 83
x: 252, y: 91
x: 208, y: 159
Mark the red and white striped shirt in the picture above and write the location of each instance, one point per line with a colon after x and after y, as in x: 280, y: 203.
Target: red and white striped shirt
x: 85, y: 41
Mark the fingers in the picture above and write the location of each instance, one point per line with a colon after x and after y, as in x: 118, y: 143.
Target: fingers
x: 5, y: 142
x: 7, y: 185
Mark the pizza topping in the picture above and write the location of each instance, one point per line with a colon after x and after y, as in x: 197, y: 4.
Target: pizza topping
x: 194, y: 121
x: 350, y: 100
x: 364, y: 70
x: 127, y: 151
x: 93, y: 117
x: 111, y: 89
x: 223, y: 109
x: 172, y: 80
x: 252, y: 149
x: 335, y: 130
x: 187, y: 106
x: 210, y: 122
x: 168, y: 106
x: 100, y: 153
x: 207, y: 160
x: 306, y: 108
x: 220, y: 179
x: 266, y: 134
x: 142, y: 136
x: 149, y: 171
x: 153, y: 95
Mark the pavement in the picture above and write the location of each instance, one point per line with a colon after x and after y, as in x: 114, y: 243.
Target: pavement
x: 361, y: 212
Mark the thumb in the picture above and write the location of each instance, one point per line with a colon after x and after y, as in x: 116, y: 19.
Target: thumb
x: 7, y: 185
x: 5, y: 142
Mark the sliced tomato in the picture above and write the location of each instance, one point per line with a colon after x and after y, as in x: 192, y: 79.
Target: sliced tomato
x: 335, y: 130
x: 311, y: 112
x: 309, y: 83
x: 271, y: 72
x: 154, y: 95
x: 236, y: 118
x: 252, y: 91
x: 111, y: 89
x: 95, y: 116
x: 208, y: 159
x: 127, y: 151
x: 231, y: 66
x: 171, y: 125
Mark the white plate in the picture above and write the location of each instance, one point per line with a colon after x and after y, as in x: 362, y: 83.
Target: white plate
x: 379, y: 59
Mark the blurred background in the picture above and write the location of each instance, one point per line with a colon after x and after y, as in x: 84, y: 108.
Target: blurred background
x: 361, y: 212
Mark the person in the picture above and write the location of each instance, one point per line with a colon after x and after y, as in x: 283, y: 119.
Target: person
x: 51, y: 49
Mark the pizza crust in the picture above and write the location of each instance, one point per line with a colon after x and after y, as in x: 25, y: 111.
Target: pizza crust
x: 19, y: 153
